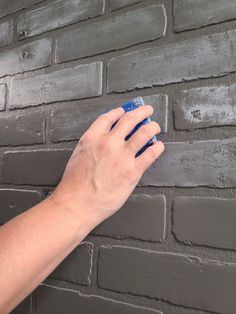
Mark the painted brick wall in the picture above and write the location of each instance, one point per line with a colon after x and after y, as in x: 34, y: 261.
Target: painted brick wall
x: 171, y: 249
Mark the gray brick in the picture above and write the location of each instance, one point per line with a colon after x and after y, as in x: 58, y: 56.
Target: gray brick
x: 77, y: 266
x: 160, y: 105
x: 206, y: 163
x: 205, y: 221
x: 6, y: 32
x: 121, y: 31
x: 22, y: 129
x: 9, y: 7
x: 51, y: 300
x: 34, y: 167
x: 15, y: 202
x: 82, y: 81
x: 69, y: 123
x: 117, y: 4
x: 190, y: 14
x: 207, y: 56
x: 141, y: 217
x: 3, y: 90
x: 179, y: 279
x: 203, y: 107
x: 28, y: 57
x: 57, y: 14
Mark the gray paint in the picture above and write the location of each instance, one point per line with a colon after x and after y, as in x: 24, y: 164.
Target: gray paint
x: 70, y: 122
x: 50, y: 299
x: 118, y: 4
x: 44, y: 166
x: 176, y: 278
x: 3, y: 90
x: 22, y: 129
x: 141, y: 217
x: 82, y: 81
x: 205, y: 56
x: 6, y: 32
x: 57, y: 14
x: 9, y: 7
x: 160, y: 106
x: 203, y: 107
x: 189, y: 14
x: 34, y: 55
x: 14, y: 202
x: 208, y: 163
x: 115, y: 32
x: 215, y: 218
x: 66, y: 94
x: 77, y: 266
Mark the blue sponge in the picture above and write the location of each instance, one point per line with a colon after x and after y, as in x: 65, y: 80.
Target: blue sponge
x: 129, y: 106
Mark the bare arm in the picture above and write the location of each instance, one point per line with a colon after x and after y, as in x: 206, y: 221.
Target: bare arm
x: 99, y: 177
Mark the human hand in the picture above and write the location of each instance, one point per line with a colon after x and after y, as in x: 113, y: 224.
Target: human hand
x: 102, y: 171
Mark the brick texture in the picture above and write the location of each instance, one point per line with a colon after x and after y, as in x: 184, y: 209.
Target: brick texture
x: 56, y: 14
x: 49, y: 300
x: 77, y: 266
x: 141, y: 217
x: 22, y: 129
x: 171, y: 248
x: 204, y: 107
x: 118, y: 4
x: 70, y: 123
x: 215, y: 218
x: 213, y: 56
x: 15, y: 202
x: 9, y: 7
x: 207, y: 163
x: 3, y: 90
x: 189, y: 14
x: 44, y: 167
x: 121, y: 31
x: 180, y: 279
x: 28, y: 57
x: 6, y: 32
x: 73, y: 83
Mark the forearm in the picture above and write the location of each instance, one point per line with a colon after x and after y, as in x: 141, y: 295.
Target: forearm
x: 32, y: 245
x: 99, y: 177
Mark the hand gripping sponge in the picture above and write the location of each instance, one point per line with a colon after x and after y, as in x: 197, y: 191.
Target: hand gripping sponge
x: 132, y: 105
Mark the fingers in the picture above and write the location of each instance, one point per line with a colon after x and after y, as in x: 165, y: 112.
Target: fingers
x: 105, y: 121
x: 128, y: 121
x: 150, y: 155
x: 143, y: 135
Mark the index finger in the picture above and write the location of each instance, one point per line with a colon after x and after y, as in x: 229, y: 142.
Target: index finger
x: 105, y: 121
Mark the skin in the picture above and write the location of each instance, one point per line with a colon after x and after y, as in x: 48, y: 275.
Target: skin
x: 99, y: 177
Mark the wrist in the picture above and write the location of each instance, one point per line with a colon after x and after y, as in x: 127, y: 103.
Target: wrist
x: 76, y: 212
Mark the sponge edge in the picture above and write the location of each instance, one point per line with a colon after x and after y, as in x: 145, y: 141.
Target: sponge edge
x: 132, y: 105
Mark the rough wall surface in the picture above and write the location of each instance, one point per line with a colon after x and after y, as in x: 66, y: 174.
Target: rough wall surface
x: 171, y: 249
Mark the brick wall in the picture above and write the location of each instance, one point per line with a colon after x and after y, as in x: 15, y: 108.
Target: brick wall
x: 171, y: 249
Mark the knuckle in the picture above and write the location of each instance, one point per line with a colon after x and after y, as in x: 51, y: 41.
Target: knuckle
x: 146, y: 130
x: 156, y: 126
x: 103, y: 117
x: 103, y: 143
x: 128, y: 117
x: 152, y: 152
x: 86, y: 137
